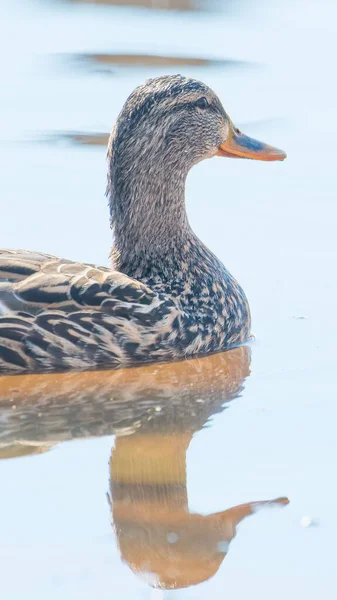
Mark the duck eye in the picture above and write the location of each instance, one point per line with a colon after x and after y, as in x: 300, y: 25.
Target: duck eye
x: 202, y: 103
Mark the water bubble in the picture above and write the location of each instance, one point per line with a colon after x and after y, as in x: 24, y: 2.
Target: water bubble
x: 307, y: 521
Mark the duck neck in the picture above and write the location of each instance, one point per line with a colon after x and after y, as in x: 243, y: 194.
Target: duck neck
x: 149, y: 222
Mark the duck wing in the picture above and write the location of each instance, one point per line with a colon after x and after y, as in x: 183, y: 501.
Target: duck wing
x: 56, y: 314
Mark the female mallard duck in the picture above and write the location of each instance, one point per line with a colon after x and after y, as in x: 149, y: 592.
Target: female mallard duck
x: 166, y: 296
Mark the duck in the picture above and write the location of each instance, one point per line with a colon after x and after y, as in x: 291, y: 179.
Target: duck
x: 164, y: 296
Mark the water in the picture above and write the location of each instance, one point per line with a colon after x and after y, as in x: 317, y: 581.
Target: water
x: 114, y: 482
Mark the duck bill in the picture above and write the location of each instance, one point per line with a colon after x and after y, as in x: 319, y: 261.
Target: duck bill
x: 239, y: 145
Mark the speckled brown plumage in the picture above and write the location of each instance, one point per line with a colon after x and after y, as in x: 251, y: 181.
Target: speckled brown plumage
x: 66, y: 315
x: 166, y: 296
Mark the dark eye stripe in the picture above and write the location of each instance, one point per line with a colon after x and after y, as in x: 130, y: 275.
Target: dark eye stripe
x: 190, y: 105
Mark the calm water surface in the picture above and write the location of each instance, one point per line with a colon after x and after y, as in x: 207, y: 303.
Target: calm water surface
x: 138, y: 483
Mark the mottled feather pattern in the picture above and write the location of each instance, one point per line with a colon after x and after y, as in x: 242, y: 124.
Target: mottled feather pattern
x: 76, y: 316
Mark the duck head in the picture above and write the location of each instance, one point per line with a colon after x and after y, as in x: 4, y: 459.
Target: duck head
x: 178, y: 120
x: 166, y: 126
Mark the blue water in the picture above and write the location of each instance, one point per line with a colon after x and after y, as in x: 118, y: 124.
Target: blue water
x: 273, y: 225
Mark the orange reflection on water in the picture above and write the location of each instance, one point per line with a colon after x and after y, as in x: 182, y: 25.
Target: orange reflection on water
x: 154, y: 412
x: 156, y: 4
x: 61, y: 406
x: 160, y: 539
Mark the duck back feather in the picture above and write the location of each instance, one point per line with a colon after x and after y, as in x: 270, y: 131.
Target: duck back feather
x: 56, y: 314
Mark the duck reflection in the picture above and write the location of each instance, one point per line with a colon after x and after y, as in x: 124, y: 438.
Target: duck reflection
x: 157, y: 535
x: 154, y: 412
x: 160, y: 539
x: 63, y: 406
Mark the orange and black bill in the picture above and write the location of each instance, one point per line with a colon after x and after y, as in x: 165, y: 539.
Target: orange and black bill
x: 239, y: 145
